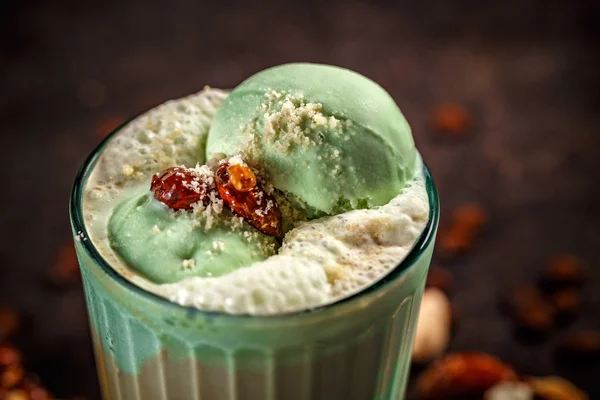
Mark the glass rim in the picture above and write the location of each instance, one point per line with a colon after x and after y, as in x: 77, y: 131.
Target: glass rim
x: 78, y: 224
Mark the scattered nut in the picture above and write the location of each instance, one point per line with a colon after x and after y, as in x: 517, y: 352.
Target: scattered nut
x: 471, y: 216
x: 529, y: 310
x: 466, y: 222
x: 563, y: 271
x: 452, y: 119
x: 509, y: 390
x: 440, y: 278
x: 556, y: 388
x: 580, y: 346
x: 433, y: 328
x: 454, y: 240
x: 462, y: 375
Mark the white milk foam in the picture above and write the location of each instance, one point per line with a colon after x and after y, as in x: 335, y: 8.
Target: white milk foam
x: 320, y: 261
x: 171, y: 134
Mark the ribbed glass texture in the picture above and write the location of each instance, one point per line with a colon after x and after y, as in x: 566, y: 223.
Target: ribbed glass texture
x: 149, y: 348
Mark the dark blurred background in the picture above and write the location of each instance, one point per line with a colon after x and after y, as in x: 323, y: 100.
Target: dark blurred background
x: 527, y: 71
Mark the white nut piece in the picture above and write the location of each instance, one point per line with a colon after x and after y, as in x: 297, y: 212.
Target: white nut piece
x: 509, y: 390
x: 433, y: 327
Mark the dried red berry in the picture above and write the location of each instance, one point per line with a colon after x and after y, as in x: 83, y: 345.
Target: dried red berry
x: 256, y: 206
x: 179, y: 188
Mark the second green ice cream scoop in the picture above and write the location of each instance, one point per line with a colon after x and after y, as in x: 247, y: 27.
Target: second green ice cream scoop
x: 330, y: 138
x: 166, y: 247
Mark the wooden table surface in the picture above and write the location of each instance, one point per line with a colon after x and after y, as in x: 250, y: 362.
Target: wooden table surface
x: 526, y: 70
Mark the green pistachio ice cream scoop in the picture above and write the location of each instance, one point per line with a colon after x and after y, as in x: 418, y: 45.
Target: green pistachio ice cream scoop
x: 331, y: 139
x: 167, y: 248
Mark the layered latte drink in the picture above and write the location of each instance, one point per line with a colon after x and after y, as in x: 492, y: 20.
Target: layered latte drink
x: 270, y: 242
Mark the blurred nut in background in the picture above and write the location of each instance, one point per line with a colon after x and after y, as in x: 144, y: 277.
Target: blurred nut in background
x: 509, y: 390
x: 529, y: 310
x: 433, y: 328
x: 452, y: 119
x: 556, y: 388
x: 454, y: 240
x: 466, y: 222
x: 563, y: 271
x: 471, y: 215
x: 460, y: 376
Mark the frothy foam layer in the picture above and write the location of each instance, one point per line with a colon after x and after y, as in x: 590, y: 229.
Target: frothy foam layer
x: 319, y: 262
x: 279, y: 284
x: 359, y: 247
x: 171, y: 134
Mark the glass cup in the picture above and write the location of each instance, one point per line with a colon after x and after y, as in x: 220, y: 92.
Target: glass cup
x: 149, y: 348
